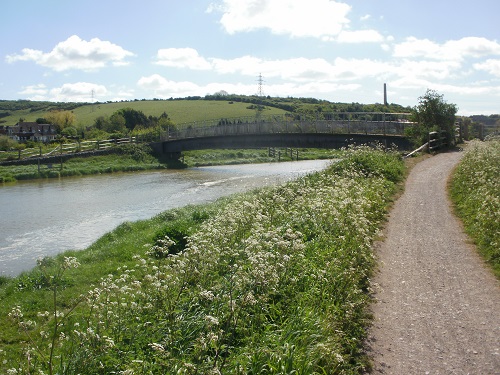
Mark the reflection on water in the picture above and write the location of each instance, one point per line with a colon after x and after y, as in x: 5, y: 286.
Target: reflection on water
x: 46, y: 217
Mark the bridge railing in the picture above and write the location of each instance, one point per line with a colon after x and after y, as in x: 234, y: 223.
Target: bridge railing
x: 284, y: 124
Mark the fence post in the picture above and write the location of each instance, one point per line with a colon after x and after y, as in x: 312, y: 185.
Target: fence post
x: 383, y: 119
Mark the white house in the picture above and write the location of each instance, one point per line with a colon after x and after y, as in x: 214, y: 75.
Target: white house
x: 32, y: 131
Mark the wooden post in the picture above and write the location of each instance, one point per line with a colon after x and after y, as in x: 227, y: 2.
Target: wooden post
x: 383, y: 119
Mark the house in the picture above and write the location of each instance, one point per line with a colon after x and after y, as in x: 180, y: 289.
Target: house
x: 32, y: 131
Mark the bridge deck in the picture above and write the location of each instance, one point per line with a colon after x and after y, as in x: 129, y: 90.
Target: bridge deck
x: 314, y: 134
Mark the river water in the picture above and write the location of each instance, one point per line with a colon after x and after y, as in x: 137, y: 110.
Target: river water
x: 46, y: 217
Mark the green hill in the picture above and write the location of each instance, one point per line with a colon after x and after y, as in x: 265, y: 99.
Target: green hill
x: 179, y: 111
x: 185, y: 110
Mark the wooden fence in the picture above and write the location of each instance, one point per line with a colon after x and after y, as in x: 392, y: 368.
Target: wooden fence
x: 64, y: 149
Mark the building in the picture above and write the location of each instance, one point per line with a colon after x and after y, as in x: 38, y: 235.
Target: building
x: 32, y: 131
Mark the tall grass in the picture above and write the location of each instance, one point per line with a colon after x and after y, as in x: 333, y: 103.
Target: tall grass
x: 475, y: 191
x: 274, y: 281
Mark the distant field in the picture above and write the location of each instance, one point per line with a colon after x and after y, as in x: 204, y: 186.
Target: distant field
x: 180, y: 111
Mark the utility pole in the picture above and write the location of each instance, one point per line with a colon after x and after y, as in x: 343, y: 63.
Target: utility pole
x: 92, y: 107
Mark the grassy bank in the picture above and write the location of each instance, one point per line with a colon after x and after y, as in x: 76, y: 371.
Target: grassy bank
x: 475, y: 191
x: 125, y: 158
x: 273, y: 281
x: 222, y: 157
x: 137, y: 158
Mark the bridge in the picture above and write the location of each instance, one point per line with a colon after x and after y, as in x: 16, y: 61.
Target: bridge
x: 340, y: 130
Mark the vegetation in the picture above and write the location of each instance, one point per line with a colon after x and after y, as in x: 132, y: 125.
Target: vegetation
x: 274, y: 281
x: 179, y: 111
x: 476, y: 195
x: 432, y: 113
x: 125, y: 158
x: 479, y: 126
x: 225, y: 157
x: 133, y: 157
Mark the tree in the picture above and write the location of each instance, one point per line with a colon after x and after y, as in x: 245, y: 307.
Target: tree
x: 61, y: 119
x: 6, y: 143
x: 133, y: 118
x: 117, y: 124
x: 433, y: 113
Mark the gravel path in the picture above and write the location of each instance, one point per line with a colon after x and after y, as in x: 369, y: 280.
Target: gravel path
x: 437, y: 308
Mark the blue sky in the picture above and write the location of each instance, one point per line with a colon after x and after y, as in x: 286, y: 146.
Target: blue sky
x: 342, y: 51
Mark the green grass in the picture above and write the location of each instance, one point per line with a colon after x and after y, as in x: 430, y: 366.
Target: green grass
x: 244, y: 156
x: 272, y: 281
x: 180, y: 111
x: 126, y: 162
x: 126, y: 159
x: 475, y: 191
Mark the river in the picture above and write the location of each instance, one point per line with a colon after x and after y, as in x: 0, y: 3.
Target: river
x: 45, y: 217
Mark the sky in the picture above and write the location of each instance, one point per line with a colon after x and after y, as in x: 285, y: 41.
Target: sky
x: 340, y: 51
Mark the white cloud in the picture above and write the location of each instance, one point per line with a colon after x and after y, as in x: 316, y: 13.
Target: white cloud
x: 160, y: 87
x: 75, y: 53
x: 360, y: 36
x: 438, y: 70
x: 163, y: 88
x: 304, y: 69
x: 77, y: 92
x: 35, y: 90
x: 451, y: 50
x: 312, y: 18
x: 491, y: 66
x: 446, y: 88
x: 182, y: 58
x: 414, y: 47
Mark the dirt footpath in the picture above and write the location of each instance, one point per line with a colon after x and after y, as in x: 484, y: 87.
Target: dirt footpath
x: 437, y: 308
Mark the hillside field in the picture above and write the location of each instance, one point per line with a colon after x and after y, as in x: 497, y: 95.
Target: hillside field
x: 180, y: 111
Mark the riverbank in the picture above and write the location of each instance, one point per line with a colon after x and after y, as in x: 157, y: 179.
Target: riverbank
x: 271, y: 280
x: 73, y: 212
x: 131, y: 158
